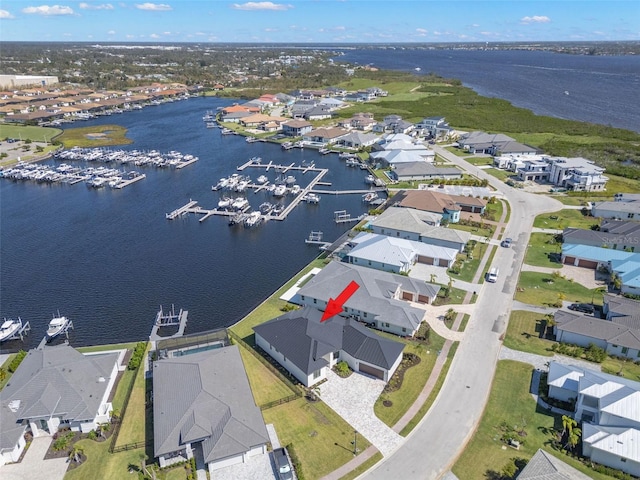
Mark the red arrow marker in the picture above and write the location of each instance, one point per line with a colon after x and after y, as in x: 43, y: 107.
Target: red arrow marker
x: 334, y: 307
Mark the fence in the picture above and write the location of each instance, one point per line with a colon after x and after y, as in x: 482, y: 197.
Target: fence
x: 129, y: 446
x: 287, y: 381
x: 125, y: 403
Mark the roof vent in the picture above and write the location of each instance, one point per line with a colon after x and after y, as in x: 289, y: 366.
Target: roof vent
x: 101, y: 380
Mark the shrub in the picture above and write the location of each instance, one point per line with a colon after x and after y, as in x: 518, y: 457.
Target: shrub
x: 137, y: 356
x: 92, y: 435
x: 295, y: 461
x: 593, y: 353
x: 15, y: 363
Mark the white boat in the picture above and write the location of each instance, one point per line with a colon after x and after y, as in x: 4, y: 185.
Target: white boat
x: 311, y: 198
x: 225, y: 202
x: 57, y: 326
x: 253, y: 219
x: 222, y: 183
x: 369, y: 179
x: 290, y: 180
x: 369, y: 197
x: 9, y: 328
x: 240, y: 203
x: 262, y: 179
x: 280, y: 191
x: 295, y: 190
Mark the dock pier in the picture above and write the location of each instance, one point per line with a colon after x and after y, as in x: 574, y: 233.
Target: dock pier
x: 170, y: 319
x: 179, y: 211
x: 315, y: 238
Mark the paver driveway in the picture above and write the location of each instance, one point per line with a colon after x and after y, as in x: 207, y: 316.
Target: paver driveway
x: 34, y: 466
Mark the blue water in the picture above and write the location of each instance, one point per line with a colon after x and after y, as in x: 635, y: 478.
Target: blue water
x: 601, y: 89
x: 108, y: 258
x: 191, y: 351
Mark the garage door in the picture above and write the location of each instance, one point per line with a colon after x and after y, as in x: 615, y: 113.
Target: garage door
x: 444, y: 262
x: 407, y: 296
x: 588, y: 264
x: 376, y: 372
x: 424, y: 259
x: 423, y: 299
x: 569, y: 260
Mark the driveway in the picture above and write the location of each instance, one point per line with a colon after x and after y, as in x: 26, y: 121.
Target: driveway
x: 33, y: 465
x: 353, y: 398
x: 258, y: 466
x: 424, y: 272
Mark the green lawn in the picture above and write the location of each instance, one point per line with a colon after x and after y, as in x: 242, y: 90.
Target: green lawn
x: 524, y: 333
x: 414, y: 381
x: 533, y: 289
x: 5, y: 366
x: 503, y: 175
x: 432, y: 396
x: 134, y: 426
x: 101, y: 464
x: 487, y: 265
x: 564, y: 218
x: 266, y: 387
x: 511, y: 404
x: 479, y: 160
x: 457, y: 151
x: 270, y: 308
x: 456, y: 296
x: 469, y: 268
x: 106, y: 348
x: 363, y: 467
x: 320, y: 437
x: 35, y: 134
x: 464, y: 322
x: 495, y: 210
x: 543, y: 251
x: 485, y: 231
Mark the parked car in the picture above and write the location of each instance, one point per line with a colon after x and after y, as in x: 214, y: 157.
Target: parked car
x: 285, y: 472
x: 506, y: 243
x: 582, y: 307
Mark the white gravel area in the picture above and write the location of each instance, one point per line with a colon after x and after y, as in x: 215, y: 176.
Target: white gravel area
x: 256, y: 467
x: 353, y: 399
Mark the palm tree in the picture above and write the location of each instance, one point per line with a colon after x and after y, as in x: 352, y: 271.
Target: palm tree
x: 550, y: 322
x: 567, y: 424
x: 75, y: 453
x: 573, y: 437
x: 432, y: 278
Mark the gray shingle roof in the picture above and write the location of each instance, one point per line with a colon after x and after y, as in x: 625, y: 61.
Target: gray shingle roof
x: 415, y: 221
x: 598, y: 329
x: 303, y: 339
x: 544, y: 466
x: 54, y: 381
x: 205, y: 396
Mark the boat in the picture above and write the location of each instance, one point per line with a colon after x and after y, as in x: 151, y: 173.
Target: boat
x: 252, y: 219
x: 222, y: 183
x: 251, y: 139
x: 240, y: 203
x: 9, y: 328
x: 277, y: 210
x: 211, y: 124
x: 57, y: 325
x: 280, y: 191
x: 369, y: 179
x: 262, y: 179
x: 237, y: 218
x: 352, y: 162
x: 290, y: 180
x: 227, y: 131
x: 369, y: 197
x: 311, y: 198
x: 225, y: 202
x: 324, y: 151
x: 265, y: 208
x: 295, y: 190
x: 287, y: 146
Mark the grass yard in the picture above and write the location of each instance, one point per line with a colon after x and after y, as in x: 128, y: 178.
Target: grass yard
x: 33, y: 133
x: 266, y: 387
x: 456, y: 296
x: 503, y: 175
x: 414, y: 381
x: 101, y: 464
x: 533, y: 288
x: 627, y: 368
x: 8, y: 375
x: 485, y: 231
x: 134, y: 426
x: 464, y: 322
x: 494, y: 209
x: 320, y: 437
x: 478, y: 161
x: 543, y: 251
x: 468, y: 268
x: 106, y: 348
x: 432, y: 396
x: 565, y: 218
x: 96, y: 136
x: 457, y: 151
x: 270, y: 308
x: 524, y: 333
x: 363, y: 467
x: 510, y: 403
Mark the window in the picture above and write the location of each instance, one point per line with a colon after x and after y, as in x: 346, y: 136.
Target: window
x: 622, y: 459
x: 625, y: 350
x: 316, y: 374
x: 365, y: 316
x: 386, y: 325
x: 404, y: 330
x: 315, y: 300
x: 336, y: 355
x: 302, y: 297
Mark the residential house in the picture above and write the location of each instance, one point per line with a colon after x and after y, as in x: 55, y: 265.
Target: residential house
x: 544, y: 466
x: 55, y: 386
x: 413, y: 224
x: 324, y: 136
x: 396, y: 255
x: 296, y: 128
x: 534, y: 170
x: 576, y: 174
x: 394, y: 124
x: 590, y: 257
x: 331, y: 103
x: 627, y: 271
x: 319, y: 112
x: 449, y: 206
x: 358, y: 140
x: 482, y: 142
x: 615, y: 234
x: 512, y: 162
x: 308, y: 348
x: 397, y: 157
x: 618, y: 210
x: 258, y: 119
x: 235, y: 117
x: 401, y: 141
x: 407, y: 171
x: 607, y: 406
x: 359, y: 121
x: 382, y: 299
x: 434, y: 127
x: 203, y: 401
x: 300, y: 107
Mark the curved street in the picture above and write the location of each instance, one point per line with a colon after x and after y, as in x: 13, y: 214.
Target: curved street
x: 434, y: 445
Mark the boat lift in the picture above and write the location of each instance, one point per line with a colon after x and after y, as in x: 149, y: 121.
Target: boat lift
x: 341, y: 216
x: 21, y: 332
x: 167, y: 319
x: 315, y: 238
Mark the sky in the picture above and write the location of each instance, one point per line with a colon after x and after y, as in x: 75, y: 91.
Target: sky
x: 319, y: 21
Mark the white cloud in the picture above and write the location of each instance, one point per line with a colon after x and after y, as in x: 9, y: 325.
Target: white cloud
x: 475, y: 25
x: 91, y: 6
x: 111, y: 32
x: 535, y: 19
x: 422, y: 31
x: 261, y: 6
x: 49, y: 10
x: 5, y: 14
x: 154, y: 35
x: 339, y: 28
x: 270, y: 29
x: 154, y: 7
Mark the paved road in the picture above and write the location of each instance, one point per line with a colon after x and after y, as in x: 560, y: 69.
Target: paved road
x: 435, y: 444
